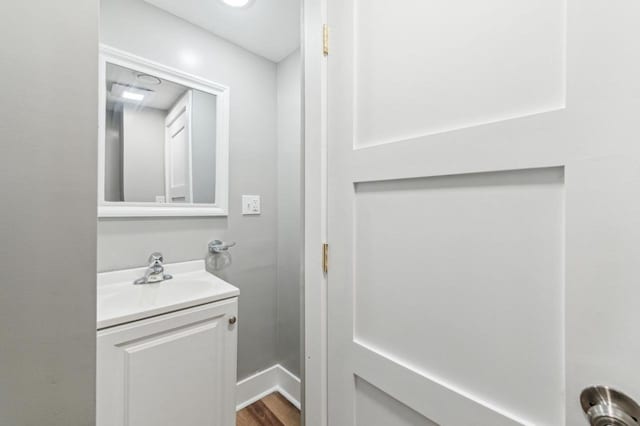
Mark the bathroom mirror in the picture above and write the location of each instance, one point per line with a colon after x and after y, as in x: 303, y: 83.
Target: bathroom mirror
x: 163, y: 140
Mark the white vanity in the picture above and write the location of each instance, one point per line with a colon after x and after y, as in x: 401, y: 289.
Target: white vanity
x: 166, y: 352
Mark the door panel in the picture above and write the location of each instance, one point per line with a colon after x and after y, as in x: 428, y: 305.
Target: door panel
x: 483, y: 210
x: 475, y: 263
x: 178, y: 159
x: 500, y: 59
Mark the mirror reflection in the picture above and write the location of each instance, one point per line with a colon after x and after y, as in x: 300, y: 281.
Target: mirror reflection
x: 160, y: 141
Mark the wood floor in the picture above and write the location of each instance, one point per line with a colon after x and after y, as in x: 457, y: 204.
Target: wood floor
x: 272, y: 410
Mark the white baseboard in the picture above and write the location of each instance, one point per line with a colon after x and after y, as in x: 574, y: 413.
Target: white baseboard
x: 261, y: 384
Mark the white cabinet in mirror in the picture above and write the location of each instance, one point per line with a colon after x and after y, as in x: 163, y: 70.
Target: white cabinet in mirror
x: 163, y: 140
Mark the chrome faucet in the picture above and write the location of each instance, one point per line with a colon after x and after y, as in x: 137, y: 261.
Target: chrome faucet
x: 155, y: 271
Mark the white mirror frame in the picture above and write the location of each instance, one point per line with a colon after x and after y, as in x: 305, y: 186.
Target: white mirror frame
x: 126, y: 209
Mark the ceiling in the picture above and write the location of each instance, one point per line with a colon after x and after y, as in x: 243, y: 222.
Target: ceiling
x: 269, y: 28
x: 161, y: 96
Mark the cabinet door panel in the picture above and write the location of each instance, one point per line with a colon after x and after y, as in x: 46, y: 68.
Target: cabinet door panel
x: 178, y: 368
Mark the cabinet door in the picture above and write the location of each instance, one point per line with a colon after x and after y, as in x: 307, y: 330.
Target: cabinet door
x: 174, y: 369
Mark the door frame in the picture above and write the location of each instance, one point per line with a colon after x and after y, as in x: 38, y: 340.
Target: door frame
x: 314, y: 367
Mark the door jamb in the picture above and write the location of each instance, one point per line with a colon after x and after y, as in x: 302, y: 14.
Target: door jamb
x: 314, y: 367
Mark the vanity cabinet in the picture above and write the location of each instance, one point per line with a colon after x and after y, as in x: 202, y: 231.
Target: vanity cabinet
x: 174, y: 369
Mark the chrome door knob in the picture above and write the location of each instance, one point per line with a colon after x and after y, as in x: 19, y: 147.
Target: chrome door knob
x: 604, y: 406
x: 233, y: 320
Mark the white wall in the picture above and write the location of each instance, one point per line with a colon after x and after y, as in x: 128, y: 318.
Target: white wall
x: 143, y: 153
x: 146, y: 31
x: 49, y: 58
x: 289, y: 211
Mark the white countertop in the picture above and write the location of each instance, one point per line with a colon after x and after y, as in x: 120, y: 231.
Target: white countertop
x: 120, y: 301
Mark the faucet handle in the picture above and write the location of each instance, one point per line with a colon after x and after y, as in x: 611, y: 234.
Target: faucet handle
x: 156, y: 257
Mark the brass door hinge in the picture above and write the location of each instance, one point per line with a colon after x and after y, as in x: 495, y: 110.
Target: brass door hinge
x: 325, y: 39
x: 325, y: 258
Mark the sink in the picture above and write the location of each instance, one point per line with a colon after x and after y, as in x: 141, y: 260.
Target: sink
x: 120, y: 301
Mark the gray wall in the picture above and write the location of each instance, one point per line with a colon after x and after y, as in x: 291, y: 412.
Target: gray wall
x: 146, y: 31
x: 289, y: 211
x: 203, y: 146
x: 113, y: 185
x: 143, y: 153
x: 48, y: 122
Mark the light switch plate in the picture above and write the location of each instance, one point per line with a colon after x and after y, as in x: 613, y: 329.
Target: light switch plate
x: 250, y: 204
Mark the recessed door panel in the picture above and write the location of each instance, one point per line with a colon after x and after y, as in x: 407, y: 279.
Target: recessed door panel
x: 461, y: 278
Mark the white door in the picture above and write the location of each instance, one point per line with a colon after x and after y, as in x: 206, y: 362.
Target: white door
x: 484, y: 209
x: 175, y: 369
x: 178, y: 158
